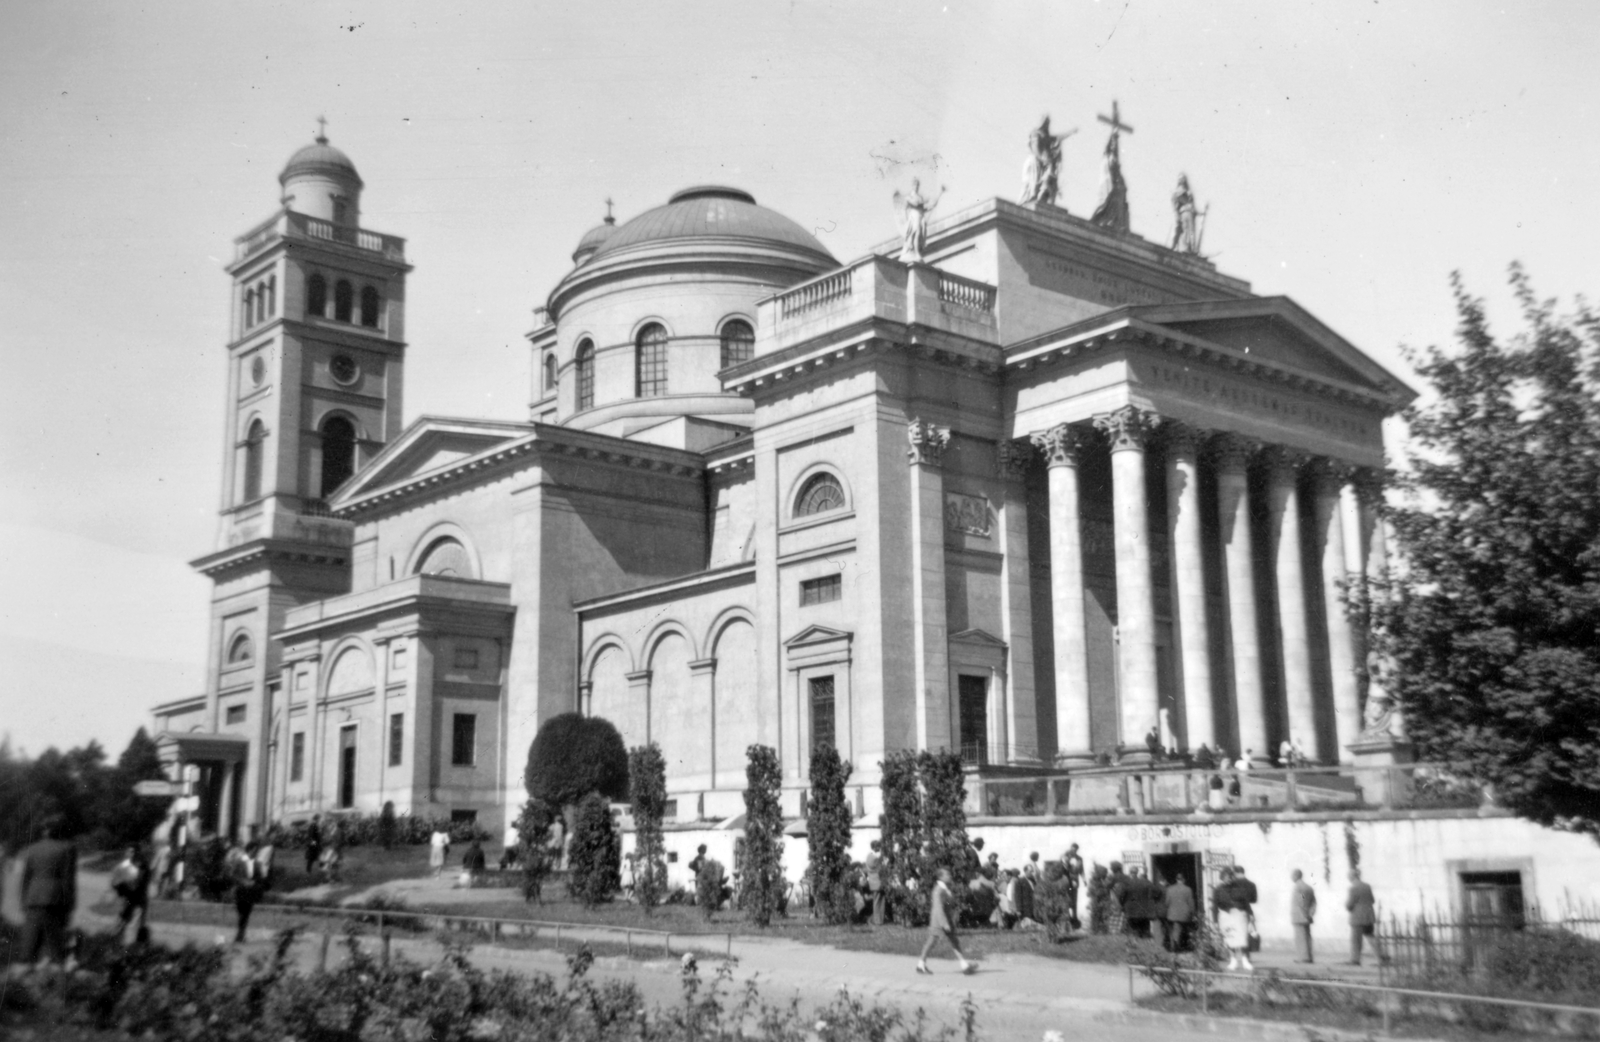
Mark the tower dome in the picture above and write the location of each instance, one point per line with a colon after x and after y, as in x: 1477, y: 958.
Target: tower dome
x: 321, y: 181
x: 708, y: 213
x: 594, y: 238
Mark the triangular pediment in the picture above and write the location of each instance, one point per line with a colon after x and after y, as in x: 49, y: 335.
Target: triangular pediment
x: 816, y: 635
x: 975, y: 636
x: 431, y: 443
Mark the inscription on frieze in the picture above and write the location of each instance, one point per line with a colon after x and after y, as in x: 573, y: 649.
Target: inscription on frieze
x: 1254, y: 399
x: 1099, y: 286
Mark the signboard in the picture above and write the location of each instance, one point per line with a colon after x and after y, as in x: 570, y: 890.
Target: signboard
x: 1171, y: 833
x: 1218, y: 859
x: 1133, y: 857
x: 157, y: 787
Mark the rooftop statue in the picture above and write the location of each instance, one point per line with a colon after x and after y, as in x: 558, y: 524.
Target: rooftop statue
x: 1112, y: 212
x: 914, y: 210
x: 1043, y: 167
x: 1189, y: 227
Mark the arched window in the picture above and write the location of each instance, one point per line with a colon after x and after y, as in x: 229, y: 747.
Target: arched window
x: 254, y: 447
x: 317, y: 296
x: 272, y: 296
x: 369, y: 307
x: 549, y: 372
x: 242, y: 649
x: 446, y: 556
x: 261, y: 301
x: 343, y: 298
x: 249, y: 308
x: 338, y: 453
x: 651, y: 361
x: 819, y: 495
x: 738, y: 342
x: 585, y: 364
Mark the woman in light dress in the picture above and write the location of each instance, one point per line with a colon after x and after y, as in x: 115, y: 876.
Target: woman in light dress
x: 1231, y: 907
x: 438, y: 847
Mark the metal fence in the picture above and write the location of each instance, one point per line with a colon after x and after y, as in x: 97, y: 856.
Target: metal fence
x: 1385, y: 1002
x: 1434, y: 944
x: 486, y: 928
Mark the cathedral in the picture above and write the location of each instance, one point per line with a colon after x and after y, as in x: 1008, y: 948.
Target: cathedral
x: 1017, y: 483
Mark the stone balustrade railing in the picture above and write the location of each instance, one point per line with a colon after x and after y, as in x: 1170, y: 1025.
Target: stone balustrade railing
x: 290, y: 225
x: 966, y: 293
x: 815, y: 294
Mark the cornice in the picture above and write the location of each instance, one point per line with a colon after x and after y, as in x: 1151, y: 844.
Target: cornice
x: 857, y: 341
x: 256, y: 553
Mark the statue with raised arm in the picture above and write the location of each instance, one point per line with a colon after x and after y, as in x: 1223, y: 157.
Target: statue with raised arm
x: 914, y: 209
x: 1188, y: 227
x: 1040, y: 173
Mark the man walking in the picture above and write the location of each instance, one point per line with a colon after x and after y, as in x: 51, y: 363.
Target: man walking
x: 1178, y: 904
x: 247, y: 885
x: 1072, y: 869
x: 1362, y: 907
x: 49, y: 894
x: 313, y: 842
x: 940, y: 924
x: 1302, y: 913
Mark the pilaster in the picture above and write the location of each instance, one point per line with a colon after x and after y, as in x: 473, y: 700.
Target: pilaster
x: 1016, y: 606
x: 930, y: 633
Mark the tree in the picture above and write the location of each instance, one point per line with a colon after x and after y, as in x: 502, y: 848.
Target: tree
x: 1488, y: 635
x: 828, y: 824
x: 901, y: 836
x: 574, y: 755
x: 533, y: 842
x: 763, y: 835
x: 595, y: 861
x: 944, y: 818
x: 647, y: 785
x: 130, y: 818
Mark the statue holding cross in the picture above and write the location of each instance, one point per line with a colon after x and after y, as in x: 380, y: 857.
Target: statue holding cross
x: 1112, y: 211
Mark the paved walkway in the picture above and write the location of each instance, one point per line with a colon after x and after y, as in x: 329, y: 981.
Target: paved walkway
x: 1018, y: 996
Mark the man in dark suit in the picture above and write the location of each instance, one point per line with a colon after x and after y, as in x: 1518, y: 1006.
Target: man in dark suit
x: 1178, y: 911
x: 1362, y: 907
x: 49, y: 894
x: 1302, y: 913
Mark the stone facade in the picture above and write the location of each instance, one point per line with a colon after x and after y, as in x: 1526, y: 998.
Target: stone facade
x: 1043, y: 493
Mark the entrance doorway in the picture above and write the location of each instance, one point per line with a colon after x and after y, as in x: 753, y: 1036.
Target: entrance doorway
x: 347, y: 766
x: 1167, y: 867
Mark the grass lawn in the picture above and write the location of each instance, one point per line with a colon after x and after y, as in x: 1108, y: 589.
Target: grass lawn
x: 363, y: 867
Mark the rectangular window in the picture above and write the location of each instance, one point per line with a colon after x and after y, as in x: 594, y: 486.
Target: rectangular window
x: 820, y: 590
x: 235, y: 714
x: 297, y: 756
x: 974, y: 714
x: 347, y: 766
x: 397, y: 738
x: 466, y: 658
x: 464, y: 740
x: 822, y: 717
x: 463, y: 817
x: 399, y: 653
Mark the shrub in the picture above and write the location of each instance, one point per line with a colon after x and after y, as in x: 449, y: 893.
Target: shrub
x: 595, y: 860
x: 828, y: 829
x: 533, y: 848
x: 901, y: 837
x: 763, y: 835
x: 574, y: 755
x: 709, y: 886
x: 647, y: 790
x: 359, y: 830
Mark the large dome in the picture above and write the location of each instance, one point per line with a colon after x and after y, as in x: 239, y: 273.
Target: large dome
x: 713, y: 212
x: 320, y: 158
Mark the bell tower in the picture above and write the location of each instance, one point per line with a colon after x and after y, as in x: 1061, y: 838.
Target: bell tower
x: 316, y: 356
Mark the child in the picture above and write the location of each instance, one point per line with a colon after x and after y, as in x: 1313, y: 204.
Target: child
x: 940, y: 925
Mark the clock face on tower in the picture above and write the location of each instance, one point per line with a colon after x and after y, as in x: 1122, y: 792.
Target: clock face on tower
x: 344, y: 369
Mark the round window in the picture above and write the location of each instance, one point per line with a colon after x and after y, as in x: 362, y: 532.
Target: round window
x: 344, y: 369
x: 258, y: 370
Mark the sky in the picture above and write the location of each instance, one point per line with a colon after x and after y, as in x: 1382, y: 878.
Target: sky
x: 1352, y: 154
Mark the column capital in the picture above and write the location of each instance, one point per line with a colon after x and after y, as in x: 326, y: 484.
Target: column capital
x: 1012, y: 457
x: 1283, y: 464
x: 1129, y: 427
x: 1061, y: 444
x: 1232, y: 451
x: 928, y: 442
x: 1328, y: 476
x: 1181, y: 437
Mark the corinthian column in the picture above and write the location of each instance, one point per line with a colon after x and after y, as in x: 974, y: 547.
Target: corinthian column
x: 1016, y: 606
x: 1283, y: 512
x: 1233, y: 454
x: 1331, y: 478
x: 1129, y: 430
x: 1189, y: 583
x: 1061, y: 445
x: 931, y: 648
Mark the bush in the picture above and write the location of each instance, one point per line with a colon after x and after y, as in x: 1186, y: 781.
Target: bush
x: 360, y: 830
x: 595, y: 861
x: 533, y: 848
x: 944, y: 820
x: 901, y: 837
x: 828, y: 830
x: 574, y: 755
x: 386, y: 825
x: 1100, y: 900
x: 647, y: 789
x: 763, y: 836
